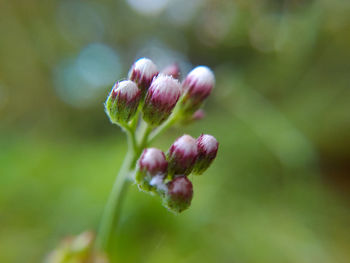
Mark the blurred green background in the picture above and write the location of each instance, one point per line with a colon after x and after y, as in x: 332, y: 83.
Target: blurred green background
x: 279, y: 189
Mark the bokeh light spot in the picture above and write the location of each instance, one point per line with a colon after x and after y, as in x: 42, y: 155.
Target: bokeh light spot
x: 99, y: 64
x: 79, y: 21
x: 148, y: 7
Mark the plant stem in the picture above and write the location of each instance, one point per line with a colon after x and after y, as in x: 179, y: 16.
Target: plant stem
x: 146, y: 129
x: 111, y: 213
x: 130, y: 131
x: 166, y: 125
x: 135, y: 120
x: 112, y: 210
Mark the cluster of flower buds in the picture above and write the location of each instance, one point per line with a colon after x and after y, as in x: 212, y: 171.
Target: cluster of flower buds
x: 167, y: 175
x: 157, y: 93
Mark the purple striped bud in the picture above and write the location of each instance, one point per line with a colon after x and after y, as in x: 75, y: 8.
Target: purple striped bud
x: 122, y: 101
x: 197, y: 87
x: 188, y: 119
x: 172, y: 70
x: 182, y: 155
x: 179, y: 195
x: 153, y: 161
x: 142, y: 72
x: 207, y: 150
x: 161, y: 99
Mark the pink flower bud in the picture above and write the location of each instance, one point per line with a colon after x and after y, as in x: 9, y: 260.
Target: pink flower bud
x: 179, y: 195
x: 122, y: 101
x: 198, y: 115
x: 207, y: 150
x: 142, y: 72
x: 161, y: 99
x: 188, y: 119
x: 172, y: 70
x: 152, y: 164
x: 197, y: 87
x: 182, y: 155
x: 153, y: 161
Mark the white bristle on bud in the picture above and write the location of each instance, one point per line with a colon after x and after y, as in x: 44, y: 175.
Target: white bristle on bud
x: 146, y: 67
x: 142, y: 72
x: 166, y: 88
x: 127, y: 88
x: 208, y: 143
x: 153, y: 161
x: 202, y: 76
x: 186, y: 144
x: 158, y: 182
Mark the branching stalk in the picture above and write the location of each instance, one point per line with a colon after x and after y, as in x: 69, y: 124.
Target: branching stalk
x: 112, y: 210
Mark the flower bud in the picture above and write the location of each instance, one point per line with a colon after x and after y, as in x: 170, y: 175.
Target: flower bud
x: 188, y: 119
x: 198, y: 115
x: 122, y: 101
x: 207, y: 150
x: 179, y: 195
x: 197, y: 87
x: 153, y: 161
x: 172, y: 70
x: 142, y: 72
x: 182, y: 155
x: 161, y: 99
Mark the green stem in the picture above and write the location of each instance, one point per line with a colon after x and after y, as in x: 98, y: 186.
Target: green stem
x: 135, y: 120
x: 174, y: 117
x: 112, y: 210
x: 111, y: 213
x: 131, y: 138
x: 146, y: 129
x: 166, y: 125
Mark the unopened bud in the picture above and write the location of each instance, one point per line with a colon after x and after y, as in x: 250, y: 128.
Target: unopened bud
x: 198, y: 115
x: 179, y: 195
x: 207, y: 150
x: 161, y: 99
x: 122, y: 102
x: 188, y: 119
x: 142, y: 72
x: 182, y: 155
x: 153, y: 161
x: 197, y: 87
x: 172, y: 70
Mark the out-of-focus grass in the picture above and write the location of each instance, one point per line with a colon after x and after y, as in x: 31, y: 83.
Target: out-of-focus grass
x: 50, y: 189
